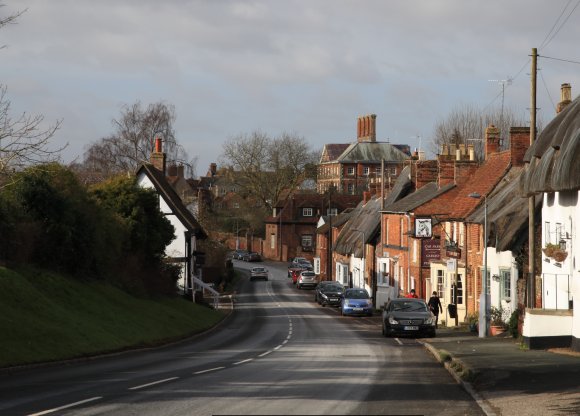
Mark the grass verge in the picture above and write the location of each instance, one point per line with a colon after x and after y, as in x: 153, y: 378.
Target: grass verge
x: 47, y: 317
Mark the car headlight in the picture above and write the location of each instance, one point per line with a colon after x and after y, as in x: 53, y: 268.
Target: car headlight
x: 346, y: 302
x: 430, y: 321
x: 393, y: 321
x: 324, y: 296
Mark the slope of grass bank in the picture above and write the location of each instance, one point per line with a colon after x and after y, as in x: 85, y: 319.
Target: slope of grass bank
x: 47, y: 317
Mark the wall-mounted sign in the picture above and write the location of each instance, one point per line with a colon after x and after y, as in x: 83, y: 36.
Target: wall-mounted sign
x: 430, y: 251
x: 451, y: 265
x: 423, y: 228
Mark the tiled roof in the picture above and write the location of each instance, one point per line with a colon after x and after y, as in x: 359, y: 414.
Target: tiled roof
x: 456, y: 203
x: 372, y: 152
x: 331, y: 152
x: 419, y: 197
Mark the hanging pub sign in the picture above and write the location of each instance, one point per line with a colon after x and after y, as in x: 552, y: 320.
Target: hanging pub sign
x: 453, y: 252
x: 423, y: 228
x: 430, y: 251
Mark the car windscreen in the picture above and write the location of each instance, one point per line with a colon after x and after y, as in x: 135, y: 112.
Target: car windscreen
x: 409, y: 306
x: 357, y: 294
x: 333, y: 288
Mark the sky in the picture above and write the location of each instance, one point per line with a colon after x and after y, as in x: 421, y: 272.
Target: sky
x: 305, y: 67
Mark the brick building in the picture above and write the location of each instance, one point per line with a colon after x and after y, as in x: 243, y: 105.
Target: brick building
x: 357, y: 167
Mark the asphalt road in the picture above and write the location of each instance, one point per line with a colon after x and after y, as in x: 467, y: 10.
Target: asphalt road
x: 278, y: 353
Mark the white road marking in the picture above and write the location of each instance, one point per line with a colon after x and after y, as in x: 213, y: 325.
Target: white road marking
x: 264, y: 354
x: 153, y: 383
x: 207, y: 371
x: 399, y: 341
x: 244, y: 361
x: 277, y: 348
x: 66, y: 406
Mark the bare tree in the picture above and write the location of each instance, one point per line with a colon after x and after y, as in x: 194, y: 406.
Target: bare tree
x: 133, y: 140
x: 264, y: 167
x: 466, y: 124
x: 23, y: 140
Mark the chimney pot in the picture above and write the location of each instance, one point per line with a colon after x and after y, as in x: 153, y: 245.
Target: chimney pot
x: 565, y: 97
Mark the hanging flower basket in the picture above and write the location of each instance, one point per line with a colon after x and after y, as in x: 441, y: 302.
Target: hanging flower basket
x: 559, y: 255
x: 550, y: 249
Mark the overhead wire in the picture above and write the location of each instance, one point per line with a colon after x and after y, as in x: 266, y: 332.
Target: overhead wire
x: 547, y: 90
x: 563, y: 23
x: 554, y: 25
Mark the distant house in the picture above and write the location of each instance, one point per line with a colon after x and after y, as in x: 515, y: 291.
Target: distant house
x: 291, y: 230
x: 183, y: 249
x: 553, y: 175
x: 354, y: 168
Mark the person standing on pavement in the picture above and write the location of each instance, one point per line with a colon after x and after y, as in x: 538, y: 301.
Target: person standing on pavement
x: 412, y: 294
x: 435, y: 306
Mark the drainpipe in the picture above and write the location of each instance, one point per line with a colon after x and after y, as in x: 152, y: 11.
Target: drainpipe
x: 408, y: 248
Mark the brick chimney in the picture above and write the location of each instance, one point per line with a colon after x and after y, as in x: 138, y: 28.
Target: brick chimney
x: 158, y: 157
x: 212, y: 170
x: 366, y: 128
x: 491, y: 140
x: 366, y: 197
x: 565, y: 97
x: 519, y: 143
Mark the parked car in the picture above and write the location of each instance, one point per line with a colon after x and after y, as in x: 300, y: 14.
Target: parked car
x: 295, y: 274
x: 356, y: 302
x: 301, y: 262
x: 329, y: 293
x: 306, y: 279
x: 239, y: 254
x: 407, y: 316
x: 258, y: 273
x: 294, y: 269
x: 252, y: 256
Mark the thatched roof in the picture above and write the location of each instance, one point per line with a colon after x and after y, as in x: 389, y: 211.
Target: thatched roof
x: 507, y: 214
x: 553, y: 158
x: 366, y: 218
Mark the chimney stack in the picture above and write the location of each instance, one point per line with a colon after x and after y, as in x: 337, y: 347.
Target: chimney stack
x: 565, y: 97
x: 158, y: 157
x: 366, y: 128
x: 212, y: 170
x: 519, y: 143
x: 366, y: 197
x: 491, y: 140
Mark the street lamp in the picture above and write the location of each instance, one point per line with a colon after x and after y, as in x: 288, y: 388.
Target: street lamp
x: 483, y: 299
x: 363, y: 254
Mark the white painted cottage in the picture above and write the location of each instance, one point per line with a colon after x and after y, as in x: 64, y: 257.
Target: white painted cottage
x: 553, y: 174
x: 183, y: 249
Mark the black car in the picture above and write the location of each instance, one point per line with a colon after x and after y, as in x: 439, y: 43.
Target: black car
x: 329, y: 293
x: 238, y: 254
x: 251, y: 256
x: 408, y: 316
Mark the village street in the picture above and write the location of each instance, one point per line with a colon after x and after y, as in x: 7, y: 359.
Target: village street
x: 277, y: 353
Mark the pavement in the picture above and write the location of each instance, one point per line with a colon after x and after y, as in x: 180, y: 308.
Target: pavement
x: 505, y: 378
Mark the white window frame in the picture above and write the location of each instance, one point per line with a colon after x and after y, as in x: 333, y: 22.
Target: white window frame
x: 350, y: 170
x: 366, y: 171
x: 307, y: 212
x: 273, y: 240
x: 307, y: 238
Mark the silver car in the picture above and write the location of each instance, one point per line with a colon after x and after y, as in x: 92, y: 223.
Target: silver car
x: 307, y: 279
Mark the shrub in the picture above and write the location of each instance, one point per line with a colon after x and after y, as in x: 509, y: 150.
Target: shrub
x: 513, y: 323
x: 496, y: 315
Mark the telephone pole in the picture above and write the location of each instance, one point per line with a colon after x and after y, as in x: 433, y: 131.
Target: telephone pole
x: 532, y: 199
